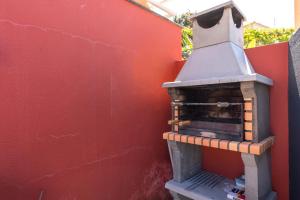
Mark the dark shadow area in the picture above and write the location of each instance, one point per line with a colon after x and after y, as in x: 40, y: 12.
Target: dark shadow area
x: 294, y: 115
x: 237, y: 17
x: 210, y: 19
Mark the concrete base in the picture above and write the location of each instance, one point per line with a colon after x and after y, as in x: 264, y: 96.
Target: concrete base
x: 189, y: 182
x: 272, y: 196
x: 186, y: 160
x: 177, y: 196
x: 258, y: 176
x: 188, y: 179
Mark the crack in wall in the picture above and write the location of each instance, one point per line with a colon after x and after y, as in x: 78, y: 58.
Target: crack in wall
x: 93, y: 162
x: 68, y: 34
x: 63, y: 136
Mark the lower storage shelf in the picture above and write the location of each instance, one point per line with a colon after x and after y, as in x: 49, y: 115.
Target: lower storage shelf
x: 202, y: 186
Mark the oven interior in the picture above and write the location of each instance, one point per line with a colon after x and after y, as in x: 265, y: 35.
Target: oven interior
x: 213, y: 111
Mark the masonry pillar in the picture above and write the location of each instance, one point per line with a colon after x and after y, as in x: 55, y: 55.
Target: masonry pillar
x: 258, y: 176
x: 185, y: 159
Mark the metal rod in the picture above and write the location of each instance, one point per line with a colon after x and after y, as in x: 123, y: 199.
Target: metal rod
x: 219, y: 104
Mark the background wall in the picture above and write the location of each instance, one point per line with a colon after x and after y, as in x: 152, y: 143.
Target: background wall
x: 82, y: 110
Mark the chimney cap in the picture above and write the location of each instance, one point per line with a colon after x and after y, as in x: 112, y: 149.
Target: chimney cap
x: 228, y: 4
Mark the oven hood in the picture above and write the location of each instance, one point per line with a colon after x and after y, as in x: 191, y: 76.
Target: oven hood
x: 221, y: 63
x: 218, y: 55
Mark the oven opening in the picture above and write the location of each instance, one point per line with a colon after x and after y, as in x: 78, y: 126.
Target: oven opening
x: 214, y: 111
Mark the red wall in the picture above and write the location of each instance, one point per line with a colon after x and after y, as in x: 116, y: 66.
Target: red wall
x: 271, y: 61
x: 82, y: 108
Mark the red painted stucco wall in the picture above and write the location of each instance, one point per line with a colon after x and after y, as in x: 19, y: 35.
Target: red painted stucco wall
x: 271, y: 61
x: 82, y: 110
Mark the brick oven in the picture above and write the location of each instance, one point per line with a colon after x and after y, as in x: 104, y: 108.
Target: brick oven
x: 219, y: 101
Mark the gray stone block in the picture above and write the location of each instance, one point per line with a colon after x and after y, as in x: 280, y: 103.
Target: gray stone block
x: 258, y: 176
x: 186, y: 160
x: 177, y: 196
x: 261, y: 108
x: 272, y: 196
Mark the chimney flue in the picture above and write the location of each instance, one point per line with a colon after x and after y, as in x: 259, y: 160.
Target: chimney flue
x: 218, y: 55
x: 217, y: 25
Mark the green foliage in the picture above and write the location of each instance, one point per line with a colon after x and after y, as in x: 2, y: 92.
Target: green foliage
x: 187, y: 34
x: 186, y: 42
x: 259, y: 37
x: 184, y: 20
x: 252, y: 38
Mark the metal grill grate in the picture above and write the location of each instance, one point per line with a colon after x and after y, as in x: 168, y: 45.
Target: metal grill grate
x: 204, y: 179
